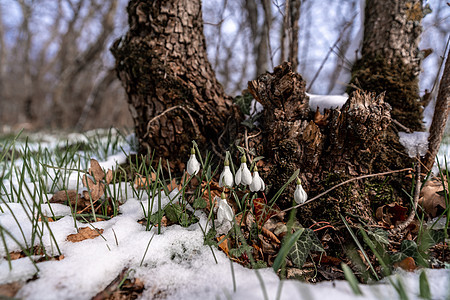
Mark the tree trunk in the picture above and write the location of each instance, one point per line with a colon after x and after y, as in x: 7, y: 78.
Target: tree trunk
x: 173, y: 93
x: 440, y: 116
x: 390, y: 57
x: 293, y: 40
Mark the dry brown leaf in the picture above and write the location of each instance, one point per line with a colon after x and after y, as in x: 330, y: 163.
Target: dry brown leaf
x: 408, y: 264
x: 84, y: 234
x: 321, y: 120
x: 97, y: 190
x: 224, y: 244
x: 9, y: 290
x: 63, y: 196
x: 268, y: 234
x: 16, y: 255
x: 96, y: 171
x: 142, y: 182
x: 173, y: 185
x: 432, y: 202
x: 109, y: 176
x: 391, y: 213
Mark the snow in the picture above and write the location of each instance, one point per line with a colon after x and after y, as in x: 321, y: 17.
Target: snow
x: 326, y: 101
x: 177, y: 264
x: 415, y: 143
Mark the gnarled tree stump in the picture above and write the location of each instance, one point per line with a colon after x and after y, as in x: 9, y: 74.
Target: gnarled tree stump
x: 353, y: 140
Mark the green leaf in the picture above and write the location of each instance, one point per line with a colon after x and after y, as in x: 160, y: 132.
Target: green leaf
x: 409, y: 248
x: 400, y: 288
x: 399, y: 256
x: 380, y: 236
x: 424, y: 287
x: 316, y: 245
x: 300, y: 250
x: 351, y: 278
x: 429, y: 238
x: 244, y: 102
x: 306, y: 243
x: 285, y: 248
x: 199, y: 203
x: 173, y: 212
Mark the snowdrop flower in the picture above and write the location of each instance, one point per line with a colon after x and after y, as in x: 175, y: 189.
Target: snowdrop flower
x: 243, y: 175
x: 257, y: 182
x: 224, y: 212
x: 226, y: 177
x: 193, y: 166
x: 300, y: 195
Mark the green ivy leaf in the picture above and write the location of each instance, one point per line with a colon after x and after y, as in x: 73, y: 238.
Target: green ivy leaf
x: 409, y: 248
x: 399, y: 256
x: 316, y: 245
x: 288, y: 243
x: 380, y: 236
x: 306, y: 243
x: 429, y: 238
x: 299, y: 252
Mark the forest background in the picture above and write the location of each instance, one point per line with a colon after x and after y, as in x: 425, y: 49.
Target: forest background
x: 56, y: 70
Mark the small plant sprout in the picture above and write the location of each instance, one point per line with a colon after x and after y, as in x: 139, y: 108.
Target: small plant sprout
x: 226, y: 177
x: 225, y: 215
x: 300, y: 195
x: 243, y: 174
x: 193, y: 166
x: 257, y: 182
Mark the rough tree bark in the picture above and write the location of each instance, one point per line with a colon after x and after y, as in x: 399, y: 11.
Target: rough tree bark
x: 343, y: 142
x: 173, y: 93
x: 440, y: 116
x: 289, y: 33
x: 390, y: 57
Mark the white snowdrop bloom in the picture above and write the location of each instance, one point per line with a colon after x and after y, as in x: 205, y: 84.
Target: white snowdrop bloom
x: 300, y: 195
x: 243, y: 175
x: 226, y: 177
x: 193, y: 166
x: 257, y: 182
x: 225, y: 213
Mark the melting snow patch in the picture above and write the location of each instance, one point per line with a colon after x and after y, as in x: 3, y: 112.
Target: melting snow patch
x: 415, y: 143
x: 326, y: 101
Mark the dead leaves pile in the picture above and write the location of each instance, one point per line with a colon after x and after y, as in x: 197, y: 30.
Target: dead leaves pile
x: 95, y: 182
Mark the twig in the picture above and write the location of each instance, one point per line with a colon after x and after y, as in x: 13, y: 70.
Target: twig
x: 345, y: 182
x: 406, y: 129
x: 408, y: 221
x: 197, y: 131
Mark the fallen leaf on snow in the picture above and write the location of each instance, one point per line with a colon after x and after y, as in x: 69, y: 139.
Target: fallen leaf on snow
x: 84, y: 234
x: 9, y: 290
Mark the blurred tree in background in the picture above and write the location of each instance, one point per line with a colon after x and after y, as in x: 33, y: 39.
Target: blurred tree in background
x: 55, y: 67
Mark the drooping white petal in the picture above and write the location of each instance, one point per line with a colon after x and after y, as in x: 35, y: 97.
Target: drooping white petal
x: 224, y: 212
x: 300, y: 195
x: 246, y: 175
x: 226, y: 177
x: 257, y: 183
x: 193, y: 166
x: 237, y: 178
